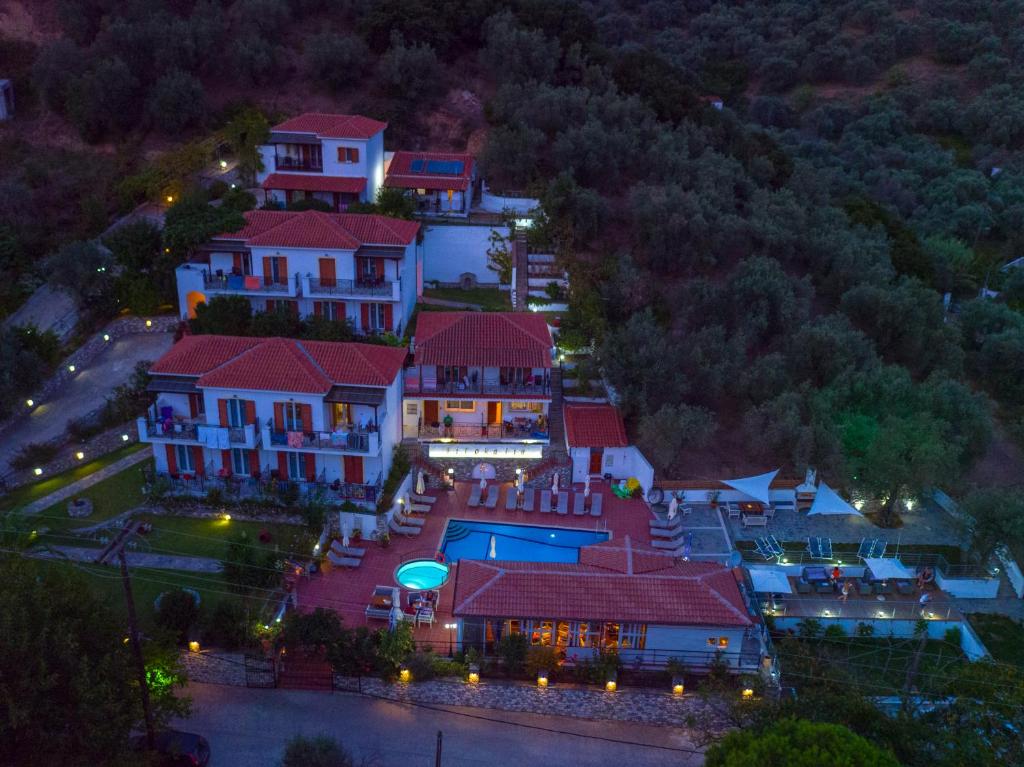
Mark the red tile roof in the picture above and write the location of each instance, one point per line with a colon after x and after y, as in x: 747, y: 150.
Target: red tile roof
x: 400, y: 173
x: 311, y: 183
x: 486, y: 339
x: 594, y: 426
x: 687, y: 594
x: 318, y: 230
x: 280, y: 364
x: 332, y: 126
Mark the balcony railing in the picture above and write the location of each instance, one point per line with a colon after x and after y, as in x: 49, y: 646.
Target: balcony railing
x: 352, y: 441
x: 470, y: 387
x: 319, y: 286
x: 245, y: 283
x: 475, y: 432
x: 297, y: 163
x: 189, y: 431
x: 265, y: 486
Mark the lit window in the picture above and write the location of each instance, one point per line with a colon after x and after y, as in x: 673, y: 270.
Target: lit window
x: 460, y: 405
x: 412, y: 408
x: 723, y: 642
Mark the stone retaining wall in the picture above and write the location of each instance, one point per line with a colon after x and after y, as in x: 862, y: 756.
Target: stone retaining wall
x: 215, y: 668
x: 103, y: 443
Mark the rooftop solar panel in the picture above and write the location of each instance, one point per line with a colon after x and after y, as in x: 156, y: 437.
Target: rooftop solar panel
x: 417, y: 166
x: 445, y: 167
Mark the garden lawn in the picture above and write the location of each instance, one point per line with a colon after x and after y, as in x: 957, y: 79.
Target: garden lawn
x: 488, y: 299
x: 194, y: 537
x: 28, y: 493
x: 1002, y: 636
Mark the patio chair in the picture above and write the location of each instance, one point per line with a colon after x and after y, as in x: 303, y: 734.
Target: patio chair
x: 823, y: 587
x: 819, y: 547
x: 595, y: 504
x: 563, y: 503
x: 405, y: 519
x: 384, y: 599
x: 768, y: 547
x: 404, y: 529
x: 803, y: 587
x: 510, y: 499
x: 420, y: 508
x: 422, y: 498
x: 579, y: 504
x: 864, y: 588
x: 545, y: 501
x: 883, y: 587
x: 425, y: 615
x: 474, y: 496
x: 754, y: 520
x: 905, y: 588
x: 528, y: 496
x: 732, y: 511
x: 492, y: 497
x: 341, y: 561
x: 346, y: 551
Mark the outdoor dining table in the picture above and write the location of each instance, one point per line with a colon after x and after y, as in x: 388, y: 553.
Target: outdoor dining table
x: 749, y: 507
x: 379, y: 600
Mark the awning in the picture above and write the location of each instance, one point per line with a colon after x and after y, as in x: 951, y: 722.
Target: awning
x: 755, y: 487
x: 283, y: 137
x: 173, y: 385
x: 888, y: 568
x: 827, y: 501
x: 356, y: 395
x: 379, y: 251
x: 770, y: 581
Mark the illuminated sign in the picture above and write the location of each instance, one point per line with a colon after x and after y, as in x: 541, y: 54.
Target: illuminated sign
x: 497, y: 451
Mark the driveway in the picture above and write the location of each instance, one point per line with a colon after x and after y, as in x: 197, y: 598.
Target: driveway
x: 84, y: 393
x: 248, y: 728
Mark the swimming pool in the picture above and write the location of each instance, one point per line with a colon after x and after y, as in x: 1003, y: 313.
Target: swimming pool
x: 522, y: 543
x: 421, y: 574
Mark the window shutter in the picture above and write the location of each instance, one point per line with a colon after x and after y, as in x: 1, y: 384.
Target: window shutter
x: 225, y: 460
x: 282, y: 268
x: 282, y: 465
x: 197, y: 459
x: 271, y: 304
x: 222, y: 411
x: 250, y: 411
x: 254, y: 461
x: 364, y: 315
x: 236, y: 263
x: 268, y: 273
x: 355, y: 155
x: 389, y: 317
x: 172, y: 460
x: 278, y: 416
x: 378, y: 268
x: 310, y: 467
x: 318, y: 308
x: 306, y: 414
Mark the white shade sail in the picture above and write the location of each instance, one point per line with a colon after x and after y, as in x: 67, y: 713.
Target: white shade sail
x: 755, y: 487
x: 770, y: 581
x: 888, y: 568
x: 827, y: 501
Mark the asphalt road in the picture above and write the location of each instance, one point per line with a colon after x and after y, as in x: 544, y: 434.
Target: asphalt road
x: 249, y: 727
x: 85, y: 393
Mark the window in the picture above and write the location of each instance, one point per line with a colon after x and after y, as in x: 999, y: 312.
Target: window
x: 333, y: 310
x: 460, y: 405
x: 347, y: 154
x: 278, y: 264
x: 632, y: 636
x: 375, y: 317
x: 540, y: 632
x: 236, y: 412
x: 342, y: 413
x: 296, y: 466
x: 183, y: 458
x: 586, y: 635
x: 718, y: 642
x: 609, y: 460
x: 239, y: 461
x: 412, y: 408
x: 292, y: 414
x: 526, y: 407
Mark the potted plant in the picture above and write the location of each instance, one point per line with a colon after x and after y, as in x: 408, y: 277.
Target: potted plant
x: 713, y: 498
x: 385, y: 540
x: 357, y: 534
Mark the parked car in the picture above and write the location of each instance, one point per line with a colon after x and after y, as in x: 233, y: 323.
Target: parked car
x: 178, y: 749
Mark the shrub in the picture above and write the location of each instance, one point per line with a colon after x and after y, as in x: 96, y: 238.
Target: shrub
x: 809, y: 628
x: 81, y: 429
x: 512, y: 649
x: 393, y: 648
x: 541, y: 659
x: 447, y: 667
x: 834, y: 631
x: 865, y: 630
x: 228, y: 625
x: 178, y: 612
x: 320, y: 627
x: 421, y: 665
x: 318, y: 751
x: 34, y: 454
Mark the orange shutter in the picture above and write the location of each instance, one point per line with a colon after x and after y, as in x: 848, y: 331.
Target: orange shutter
x: 282, y: 268
x: 222, y: 411
x: 250, y: 411
x: 197, y: 459
x: 364, y: 315
x: 310, y: 467
x: 282, y: 465
x: 378, y: 268
x: 353, y: 465
x: 318, y: 308
x: 271, y: 305
x: 225, y: 460
x: 328, y: 275
x: 254, y: 462
x: 278, y: 416
x: 306, y: 414
x: 172, y: 460
x: 268, y: 273
x: 389, y: 317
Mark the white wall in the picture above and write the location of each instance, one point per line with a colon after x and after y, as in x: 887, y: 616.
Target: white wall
x: 968, y: 588
x: 497, y: 204
x: 449, y: 251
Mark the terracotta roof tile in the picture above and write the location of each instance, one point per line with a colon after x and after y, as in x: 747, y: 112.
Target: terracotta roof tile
x: 316, y: 229
x: 594, y: 426
x: 277, y: 364
x: 332, y: 125
x: 195, y: 355
x: 400, y: 173
x: 300, y: 182
x: 689, y: 594
x: 487, y: 339
x: 357, y: 364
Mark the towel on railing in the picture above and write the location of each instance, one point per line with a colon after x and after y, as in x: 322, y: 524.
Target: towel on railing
x: 295, y: 439
x: 207, y: 435
x: 223, y: 439
x: 252, y: 282
x: 235, y: 282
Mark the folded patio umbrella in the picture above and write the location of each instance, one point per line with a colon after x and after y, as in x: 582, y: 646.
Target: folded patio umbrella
x: 421, y: 485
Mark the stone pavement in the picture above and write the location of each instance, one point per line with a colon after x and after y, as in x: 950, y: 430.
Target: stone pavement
x: 141, y: 559
x: 711, y: 541
x: 86, y: 482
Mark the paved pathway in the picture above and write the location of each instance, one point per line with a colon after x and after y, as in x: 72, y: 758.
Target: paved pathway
x: 711, y: 541
x: 249, y: 728
x: 85, y: 482
x: 143, y: 559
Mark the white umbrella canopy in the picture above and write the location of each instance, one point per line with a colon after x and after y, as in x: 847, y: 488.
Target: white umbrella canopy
x: 755, y: 487
x: 421, y: 485
x: 483, y: 483
x: 673, y: 507
x: 827, y: 501
x: 586, y: 486
x: 554, y: 483
x: 888, y: 568
x: 770, y: 581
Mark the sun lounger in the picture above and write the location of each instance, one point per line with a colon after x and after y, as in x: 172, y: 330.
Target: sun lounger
x: 864, y: 588
x: 906, y: 588
x: 422, y: 498
x: 595, y: 504
x: 528, y: 496
x: 510, y: 499
x: 579, y: 504
x: 563, y: 503
x: 871, y: 548
x: 768, y: 547
x: 342, y: 561
x: 824, y: 587
x: 545, y: 501
x: 492, y: 497
x: 666, y: 532
x: 405, y: 519
x: 673, y: 545
x: 347, y: 551
x: 404, y: 529
x: 474, y: 496
x: 819, y: 548
x: 383, y: 601
x: 421, y: 508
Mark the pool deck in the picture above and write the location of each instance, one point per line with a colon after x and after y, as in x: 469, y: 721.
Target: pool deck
x: 347, y: 591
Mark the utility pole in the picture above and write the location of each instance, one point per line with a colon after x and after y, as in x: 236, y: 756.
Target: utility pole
x: 116, y: 546
x: 437, y: 755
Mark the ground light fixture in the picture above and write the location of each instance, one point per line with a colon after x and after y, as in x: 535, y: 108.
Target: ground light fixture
x: 611, y: 684
x: 149, y: 323
x: 30, y: 402
x: 404, y: 675
x: 71, y: 368
x: 193, y: 646
x: 748, y: 693
x: 223, y: 164
x: 474, y: 674
x: 37, y: 471
x: 124, y: 437
x: 678, y: 688
x: 106, y: 336
x: 79, y: 455
x: 542, y: 678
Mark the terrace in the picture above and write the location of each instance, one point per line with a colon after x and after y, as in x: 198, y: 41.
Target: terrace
x: 239, y: 283
x: 252, y: 488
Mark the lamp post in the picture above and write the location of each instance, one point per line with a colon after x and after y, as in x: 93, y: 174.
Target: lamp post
x: 451, y: 628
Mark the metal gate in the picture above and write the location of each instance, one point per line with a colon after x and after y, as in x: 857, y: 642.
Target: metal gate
x: 260, y: 671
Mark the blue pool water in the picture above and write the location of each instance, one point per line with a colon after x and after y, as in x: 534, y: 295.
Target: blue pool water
x: 422, y: 574
x: 522, y: 543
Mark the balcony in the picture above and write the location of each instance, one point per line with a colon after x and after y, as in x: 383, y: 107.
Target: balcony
x: 459, y: 389
x: 299, y: 164
x: 358, y: 441
x: 237, y: 283
x: 342, y: 288
x: 509, y: 431
x: 198, y: 433
x: 265, y: 486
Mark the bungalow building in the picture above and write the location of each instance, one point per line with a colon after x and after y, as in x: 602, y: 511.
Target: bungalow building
x: 245, y: 414
x: 649, y: 607
x: 595, y: 437
x: 364, y: 268
x: 479, y: 377
x: 336, y: 158
x: 441, y: 183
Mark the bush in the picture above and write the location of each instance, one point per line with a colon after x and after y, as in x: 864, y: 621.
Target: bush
x: 865, y: 630
x: 393, y: 649
x: 81, y: 429
x: 400, y: 466
x: 176, y: 102
x: 834, y: 631
x: 421, y: 666
x: 228, y: 625
x: 320, y: 627
x: 541, y: 659
x: 34, y: 454
x: 318, y: 751
x: 512, y: 649
x: 178, y: 612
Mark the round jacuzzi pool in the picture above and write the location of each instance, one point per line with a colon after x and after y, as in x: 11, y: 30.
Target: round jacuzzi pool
x: 421, y: 574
